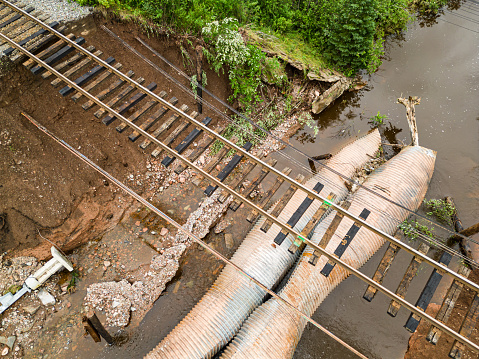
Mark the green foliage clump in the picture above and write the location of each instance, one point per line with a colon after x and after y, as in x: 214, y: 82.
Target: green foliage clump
x: 243, y: 61
x: 412, y: 229
x: 377, y: 120
x: 441, y: 209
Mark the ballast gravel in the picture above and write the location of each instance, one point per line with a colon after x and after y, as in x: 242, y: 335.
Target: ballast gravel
x: 59, y: 10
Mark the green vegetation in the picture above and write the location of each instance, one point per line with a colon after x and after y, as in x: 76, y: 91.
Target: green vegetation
x: 73, y: 281
x: 377, y: 120
x: 347, y: 34
x: 441, y: 209
x: 412, y: 229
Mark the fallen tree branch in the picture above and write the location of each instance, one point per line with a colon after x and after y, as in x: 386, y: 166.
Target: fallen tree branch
x: 411, y: 116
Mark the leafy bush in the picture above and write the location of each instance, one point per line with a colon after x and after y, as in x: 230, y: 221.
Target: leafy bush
x: 243, y: 61
x: 412, y: 229
x: 441, y: 209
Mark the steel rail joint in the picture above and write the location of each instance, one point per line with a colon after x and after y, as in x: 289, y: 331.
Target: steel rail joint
x: 342, y: 264
x: 165, y: 103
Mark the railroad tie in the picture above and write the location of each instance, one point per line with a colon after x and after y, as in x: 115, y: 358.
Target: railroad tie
x: 68, y: 62
x: 108, y: 91
x: 238, y: 180
x: 44, y: 54
x: 447, y: 305
x: 467, y: 327
x: 17, y: 32
x: 282, y: 203
x: 115, y: 100
x: 225, y: 172
x: 174, y: 135
x: 299, y: 244
x: 266, y: 199
x: 254, y: 184
x: 165, y: 126
x: 139, y: 113
x: 150, y: 122
x: 135, y: 99
x: 186, y: 142
x: 427, y: 293
x: 296, y: 216
x: 215, y: 160
x: 15, y: 18
x: 381, y: 270
x: 329, y: 233
x: 409, y: 275
x: 341, y: 248
x: 54, y: 58
x: 75, y: 69
x: 86, y: 77
x: 25, y: 41
x: 202, y: 146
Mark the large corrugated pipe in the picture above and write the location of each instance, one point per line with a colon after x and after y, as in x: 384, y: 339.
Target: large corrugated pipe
x: 216, y: 318
x: 274, y: 330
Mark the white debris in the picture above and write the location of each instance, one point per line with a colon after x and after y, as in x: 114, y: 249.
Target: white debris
x: 45, y: 297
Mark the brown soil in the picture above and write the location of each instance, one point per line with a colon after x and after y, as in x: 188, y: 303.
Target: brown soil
x: 42, y: 186
x: 420, y: 348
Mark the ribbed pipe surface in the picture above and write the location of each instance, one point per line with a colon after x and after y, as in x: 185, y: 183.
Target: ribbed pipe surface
x: 216, y: 318
x: 274, y: 330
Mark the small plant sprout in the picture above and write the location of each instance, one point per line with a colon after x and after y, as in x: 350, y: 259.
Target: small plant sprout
x: 441, y: 209
x: 377, y: 120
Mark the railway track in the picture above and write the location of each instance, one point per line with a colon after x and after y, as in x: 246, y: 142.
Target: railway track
x: 166, y: 129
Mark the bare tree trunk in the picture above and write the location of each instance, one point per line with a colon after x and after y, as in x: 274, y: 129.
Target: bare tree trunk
x: 411, y: 116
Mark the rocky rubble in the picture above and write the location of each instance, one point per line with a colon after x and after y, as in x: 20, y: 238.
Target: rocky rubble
x: 119, y: 299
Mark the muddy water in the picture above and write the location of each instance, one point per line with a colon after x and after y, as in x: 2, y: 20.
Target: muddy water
x: 440, y: 64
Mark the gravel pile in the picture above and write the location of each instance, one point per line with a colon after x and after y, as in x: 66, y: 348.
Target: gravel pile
x: 60, y: 10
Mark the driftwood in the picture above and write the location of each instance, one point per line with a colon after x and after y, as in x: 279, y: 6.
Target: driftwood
x: 458, y: 227
x: 330, y: 95
x: 411, y: 116
x: 199, y: 76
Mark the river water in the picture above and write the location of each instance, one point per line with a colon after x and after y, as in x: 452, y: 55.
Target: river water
x: 440, y: 64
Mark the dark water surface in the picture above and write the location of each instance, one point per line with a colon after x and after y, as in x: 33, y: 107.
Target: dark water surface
x: 440, y: 64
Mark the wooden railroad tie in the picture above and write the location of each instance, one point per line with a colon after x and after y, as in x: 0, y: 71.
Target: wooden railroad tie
x: 214, y: 161
x: 165, y: 126
x: 280, y: 237
x: 75, y: 69
x: 36, y: 34
x: 409, y: 275
x: 238, y: 180
x: 83, y: 79
x: 427, y: 293
x: 228, y: 169
x: 266, y: 199
x: 467, y: 327
x: 70, y: 62
x: 175, y: 134
x: 106, y: 92
x: 151, y: 120
x: 57, y: 56
x: 107, y: 120
x: 382, y: 270
x: 282, y: 203
x: 299, y: 243
x: 202, y: 146
x: 118, y: 98
x: 341, y: 248
x: 189, y: 139
x: 254, y: 184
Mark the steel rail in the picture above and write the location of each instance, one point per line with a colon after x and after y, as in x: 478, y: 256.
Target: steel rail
x: 198, y: 124
x: 146, y: 203
x: 332, y: 257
